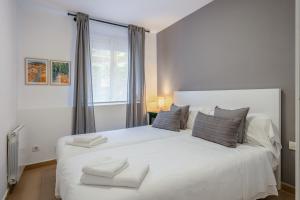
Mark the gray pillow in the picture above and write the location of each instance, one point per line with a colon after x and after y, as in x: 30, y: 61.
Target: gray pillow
x: 239, y: 113
x: 169, y: 120
x: 184, y: 114
x: 216, y: 129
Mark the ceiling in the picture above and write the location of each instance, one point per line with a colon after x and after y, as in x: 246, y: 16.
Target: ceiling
x: 151, y: 14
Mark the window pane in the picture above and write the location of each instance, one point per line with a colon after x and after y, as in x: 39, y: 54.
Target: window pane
x: 109, y: 63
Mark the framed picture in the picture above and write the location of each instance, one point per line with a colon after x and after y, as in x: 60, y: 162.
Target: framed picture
x: 60, y: 72
x: 36, y: 71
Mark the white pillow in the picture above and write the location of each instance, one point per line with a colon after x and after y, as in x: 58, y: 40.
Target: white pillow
x: 193, y: 113
x: 261, y: 131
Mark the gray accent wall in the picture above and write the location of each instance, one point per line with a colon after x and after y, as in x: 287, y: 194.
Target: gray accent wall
x: 235, y: 44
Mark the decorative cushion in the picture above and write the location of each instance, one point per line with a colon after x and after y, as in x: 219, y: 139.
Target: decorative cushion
x: 169, y: 120
x: 230, y: 114
x: 216, y: 129
x: 184, y: 114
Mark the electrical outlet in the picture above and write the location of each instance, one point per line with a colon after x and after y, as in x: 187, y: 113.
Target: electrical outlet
x: 292, y: 145
x: 35, y: 149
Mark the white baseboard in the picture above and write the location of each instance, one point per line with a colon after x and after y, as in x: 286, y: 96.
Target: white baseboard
x: 5, y: 194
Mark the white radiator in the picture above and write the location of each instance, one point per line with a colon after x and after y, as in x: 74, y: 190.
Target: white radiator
x: 16, y: 154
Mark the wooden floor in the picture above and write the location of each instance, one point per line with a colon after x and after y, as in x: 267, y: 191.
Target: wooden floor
x: 35, y: 184
x: 39, y: 184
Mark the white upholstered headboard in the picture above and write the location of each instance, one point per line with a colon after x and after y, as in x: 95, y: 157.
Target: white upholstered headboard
x: 267, y: 101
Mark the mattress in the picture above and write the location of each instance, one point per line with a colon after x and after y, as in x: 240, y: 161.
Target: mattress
x: 182, y: 167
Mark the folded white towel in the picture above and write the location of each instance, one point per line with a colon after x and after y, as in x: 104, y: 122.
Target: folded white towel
x: 131, y: 177
x: 86, y: 138
x: 88, y: 145
x: 106, y: 168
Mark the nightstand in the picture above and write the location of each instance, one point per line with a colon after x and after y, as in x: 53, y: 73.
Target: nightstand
x: 152, y: 116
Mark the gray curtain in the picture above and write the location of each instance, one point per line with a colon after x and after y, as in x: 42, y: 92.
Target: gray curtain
x: 83, y: 119
x: 136, y: 105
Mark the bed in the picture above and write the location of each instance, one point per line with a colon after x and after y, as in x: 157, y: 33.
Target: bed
x: 182, y: 166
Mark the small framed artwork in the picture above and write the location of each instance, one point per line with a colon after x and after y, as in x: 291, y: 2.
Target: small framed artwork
x: 60, y: 72
x: 36, y: 71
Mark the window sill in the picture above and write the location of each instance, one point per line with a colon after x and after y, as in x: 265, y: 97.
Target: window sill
x: 110, y: 103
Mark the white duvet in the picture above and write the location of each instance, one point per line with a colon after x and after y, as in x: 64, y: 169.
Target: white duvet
x: 181, y: 168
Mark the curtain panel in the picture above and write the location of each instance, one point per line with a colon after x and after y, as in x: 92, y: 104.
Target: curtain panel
x: 83, y: 116
x: 136, y: 103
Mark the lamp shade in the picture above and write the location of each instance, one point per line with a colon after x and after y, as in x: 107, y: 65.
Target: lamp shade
x: 164, y: 102
x: 160, y: 103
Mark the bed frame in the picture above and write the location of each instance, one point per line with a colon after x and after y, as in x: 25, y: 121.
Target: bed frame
x: 267, y: 101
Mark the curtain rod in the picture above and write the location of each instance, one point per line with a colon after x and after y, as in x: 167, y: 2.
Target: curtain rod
x: 106, y: 22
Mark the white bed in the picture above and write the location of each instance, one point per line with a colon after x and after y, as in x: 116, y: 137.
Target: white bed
x: 182, y: 166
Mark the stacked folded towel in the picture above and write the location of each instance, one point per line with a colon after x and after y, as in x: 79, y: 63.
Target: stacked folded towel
x: 114, y: 172
x: 106, y: 167
x: 86, y: 138
x: 87, y: 141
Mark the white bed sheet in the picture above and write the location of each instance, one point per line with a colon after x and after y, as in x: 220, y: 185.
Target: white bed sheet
x: 182, y: 167
x: 115, y: 138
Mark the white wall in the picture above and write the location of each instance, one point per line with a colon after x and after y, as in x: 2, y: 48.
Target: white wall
x: 46, y: 111
x: 7, y: 82
x: 43, y: 33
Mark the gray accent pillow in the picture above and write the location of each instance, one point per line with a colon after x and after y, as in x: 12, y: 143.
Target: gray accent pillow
x: 216, y: 129
x: 184, y: 114
x: 169, y: 120
x: 239, y: 113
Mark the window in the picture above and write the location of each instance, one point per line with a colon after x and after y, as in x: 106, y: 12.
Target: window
x: 109, y: 49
